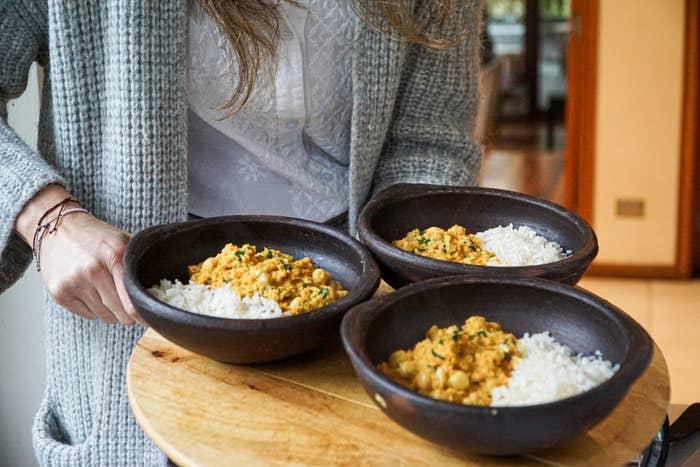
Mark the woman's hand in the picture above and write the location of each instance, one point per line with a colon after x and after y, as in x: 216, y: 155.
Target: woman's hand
x: 81, y: 263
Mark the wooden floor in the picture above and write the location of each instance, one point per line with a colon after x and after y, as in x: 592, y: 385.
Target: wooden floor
x: 518, y: 157
x: 533, y: 172
x: 668, y: 310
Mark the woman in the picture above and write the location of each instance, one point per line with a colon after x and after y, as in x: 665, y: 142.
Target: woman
x: 307, y: 119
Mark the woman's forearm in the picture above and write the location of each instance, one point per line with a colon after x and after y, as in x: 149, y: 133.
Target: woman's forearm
x: 26, y: 221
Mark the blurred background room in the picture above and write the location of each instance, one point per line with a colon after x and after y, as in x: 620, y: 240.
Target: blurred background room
x: 524, y: 85
x: 589, y: 103
x: 593, y: 104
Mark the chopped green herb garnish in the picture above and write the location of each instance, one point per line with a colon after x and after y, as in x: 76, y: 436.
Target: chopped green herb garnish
x: 421, y: 232
x: 432, y: 367
x: 423, y: 241
x: 239, y: 254
x: 269, y: 254
x: 456, y: 335
x: 507, y: 357
x: 437, y: 354
x: 480, y: 333
x: 442, y: 342
x: 323, y: 292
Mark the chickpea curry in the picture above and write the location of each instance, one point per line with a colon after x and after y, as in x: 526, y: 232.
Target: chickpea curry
x: 453, y: 244
x: 297, y: 285
x: 459, y: 364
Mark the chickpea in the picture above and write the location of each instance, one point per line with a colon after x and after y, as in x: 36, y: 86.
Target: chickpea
x: 296, y: 305
x: 263, y: 279
x: 407, y: 369
x: 423, y: 380
x: 319, y: 276
x: 208, y: 264
x: 471, y: 399
x: 441, y: 376
x: 397, y: 358
x: 433, y: 332
x: 458, y: 380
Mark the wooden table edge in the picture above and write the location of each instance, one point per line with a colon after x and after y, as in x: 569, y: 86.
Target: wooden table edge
x: 181, y: 459
x: 171, y: 452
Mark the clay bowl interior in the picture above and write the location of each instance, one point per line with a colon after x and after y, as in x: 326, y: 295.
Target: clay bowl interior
x: 164, y: 252
x: 393, y: 212
x: 579, y: 319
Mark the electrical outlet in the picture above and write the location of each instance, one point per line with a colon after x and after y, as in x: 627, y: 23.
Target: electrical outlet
x: 628, y: 207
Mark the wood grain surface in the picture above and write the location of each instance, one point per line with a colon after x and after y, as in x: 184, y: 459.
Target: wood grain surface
x: 312, y: 410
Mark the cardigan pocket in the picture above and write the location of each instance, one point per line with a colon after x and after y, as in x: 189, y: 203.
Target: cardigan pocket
x: 53, y: 449
x: 51, y: 444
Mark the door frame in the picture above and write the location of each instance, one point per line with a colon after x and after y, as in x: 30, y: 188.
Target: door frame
x: 580, y: 130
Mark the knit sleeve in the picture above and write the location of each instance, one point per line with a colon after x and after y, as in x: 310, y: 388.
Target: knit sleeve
x: 430, y: 139
x: 23, y: 172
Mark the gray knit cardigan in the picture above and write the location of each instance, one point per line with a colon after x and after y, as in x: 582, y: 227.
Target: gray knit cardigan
x: 113, y: 131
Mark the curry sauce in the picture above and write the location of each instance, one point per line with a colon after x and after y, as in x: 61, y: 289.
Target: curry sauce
x: 457, y: 364
x: 297, y: 286
x: 453, y: 244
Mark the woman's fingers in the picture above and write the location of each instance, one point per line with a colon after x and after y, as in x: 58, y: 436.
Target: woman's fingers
x: 95, y: 291
x: 118, y: 275
x: 93, y: 300
x: 103, y: 282
x: 113, y: 257
x: 76, y: 306
x: 110, y: 298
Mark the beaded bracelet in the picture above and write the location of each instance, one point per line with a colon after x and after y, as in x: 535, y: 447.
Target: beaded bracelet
x: 51, y: 226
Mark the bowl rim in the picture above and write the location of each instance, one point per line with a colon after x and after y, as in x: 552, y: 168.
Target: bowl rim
x: 407, y: 191
x: 357, y: 321
x: 143, y: 240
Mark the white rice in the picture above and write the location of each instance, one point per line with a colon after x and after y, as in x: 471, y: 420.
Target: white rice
x: 550, y: 371
x: 519, y: 247
x: 222, y: 302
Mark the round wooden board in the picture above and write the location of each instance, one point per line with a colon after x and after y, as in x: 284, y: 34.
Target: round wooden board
x: 312, y: 410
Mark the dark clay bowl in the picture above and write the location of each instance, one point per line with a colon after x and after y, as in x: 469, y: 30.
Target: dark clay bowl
x: 584, y: 322
x: 393, y: 212
x: 165, y: 251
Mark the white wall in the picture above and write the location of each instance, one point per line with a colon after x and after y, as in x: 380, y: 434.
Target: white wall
x: 22, y: 363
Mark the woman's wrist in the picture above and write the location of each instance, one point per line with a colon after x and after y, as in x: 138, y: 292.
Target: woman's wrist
x: 44, y: 200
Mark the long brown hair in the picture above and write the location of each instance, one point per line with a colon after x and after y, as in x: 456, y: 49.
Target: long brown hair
x: 252, y: 28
